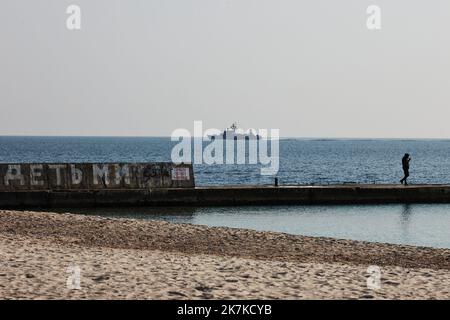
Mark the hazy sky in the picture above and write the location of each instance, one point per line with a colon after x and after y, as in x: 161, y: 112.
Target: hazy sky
x: 146, y: 67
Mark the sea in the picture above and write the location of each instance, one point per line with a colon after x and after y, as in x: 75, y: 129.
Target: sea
x: 301, y: 161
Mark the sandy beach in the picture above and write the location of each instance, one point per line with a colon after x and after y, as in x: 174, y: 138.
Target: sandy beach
x: 135, y: 259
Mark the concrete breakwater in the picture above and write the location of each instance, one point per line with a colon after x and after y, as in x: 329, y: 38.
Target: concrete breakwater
x: 226, y: 196
x: 167, y: 184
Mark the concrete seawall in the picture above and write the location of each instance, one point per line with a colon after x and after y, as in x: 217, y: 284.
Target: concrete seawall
x: 229, y: 196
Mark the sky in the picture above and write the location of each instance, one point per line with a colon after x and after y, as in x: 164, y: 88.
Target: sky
x: 147, y: 67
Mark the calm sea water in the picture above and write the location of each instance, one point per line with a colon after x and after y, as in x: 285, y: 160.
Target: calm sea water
x: 302, y: 161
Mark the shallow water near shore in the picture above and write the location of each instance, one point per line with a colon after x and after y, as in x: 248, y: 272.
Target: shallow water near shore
x: 409, y: 224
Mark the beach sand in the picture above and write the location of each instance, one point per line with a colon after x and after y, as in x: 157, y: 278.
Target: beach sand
x: 135, y: 259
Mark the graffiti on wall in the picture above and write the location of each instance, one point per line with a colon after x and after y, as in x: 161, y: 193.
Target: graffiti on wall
x: 95, y: 176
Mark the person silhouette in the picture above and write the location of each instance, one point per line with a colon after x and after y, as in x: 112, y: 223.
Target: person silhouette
x: 405, y: 164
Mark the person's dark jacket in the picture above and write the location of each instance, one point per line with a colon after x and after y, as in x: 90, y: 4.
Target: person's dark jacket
x: 405, y: 162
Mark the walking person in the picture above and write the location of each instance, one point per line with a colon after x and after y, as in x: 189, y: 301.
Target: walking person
x: 405, y: 164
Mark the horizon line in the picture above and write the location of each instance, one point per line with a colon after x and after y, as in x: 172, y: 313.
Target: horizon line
x: 281, y: 137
